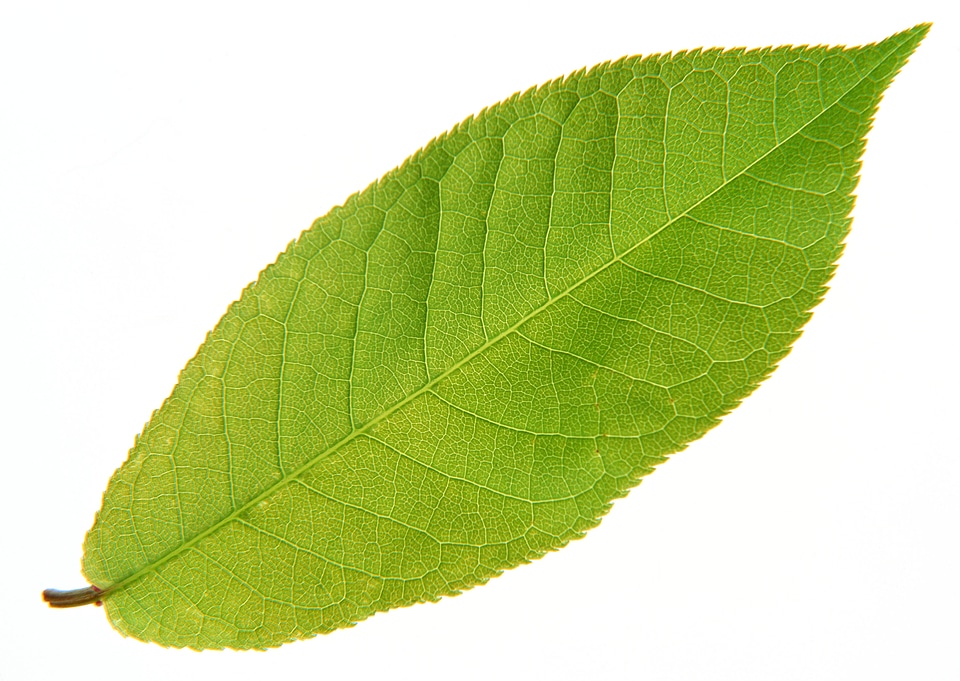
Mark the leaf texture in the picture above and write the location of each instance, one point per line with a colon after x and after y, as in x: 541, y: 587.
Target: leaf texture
x: 456, y: 371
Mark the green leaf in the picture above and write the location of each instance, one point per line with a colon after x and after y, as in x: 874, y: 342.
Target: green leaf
x: 456, y: 371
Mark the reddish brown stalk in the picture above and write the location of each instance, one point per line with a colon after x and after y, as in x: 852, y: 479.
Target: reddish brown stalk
x: 73, y: 598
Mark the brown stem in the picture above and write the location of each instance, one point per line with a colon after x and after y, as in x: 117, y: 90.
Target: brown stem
x: 73, y: 598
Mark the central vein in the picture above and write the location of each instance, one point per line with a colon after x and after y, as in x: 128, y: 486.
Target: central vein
x: 428, y: 387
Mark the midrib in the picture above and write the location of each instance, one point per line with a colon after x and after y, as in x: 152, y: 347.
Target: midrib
x: 282, y: 482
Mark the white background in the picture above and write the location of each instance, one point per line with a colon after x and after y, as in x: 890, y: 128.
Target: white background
x: 155, y: 156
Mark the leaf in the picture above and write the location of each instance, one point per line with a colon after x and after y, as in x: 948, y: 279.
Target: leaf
x: 456, y: 371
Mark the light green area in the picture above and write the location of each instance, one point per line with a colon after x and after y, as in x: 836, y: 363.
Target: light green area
x: 457, y: 370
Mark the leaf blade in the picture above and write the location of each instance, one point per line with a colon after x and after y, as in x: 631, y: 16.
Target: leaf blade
x: 555, y: 416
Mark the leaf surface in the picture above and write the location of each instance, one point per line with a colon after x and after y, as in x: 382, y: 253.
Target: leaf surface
x: 456, y: 371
